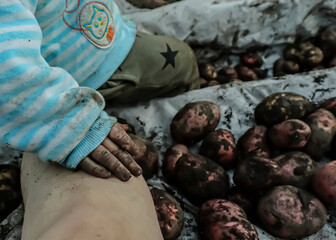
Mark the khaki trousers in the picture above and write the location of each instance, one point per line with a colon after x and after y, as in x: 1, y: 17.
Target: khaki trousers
x: 156, y: 66
x: 64, y: 205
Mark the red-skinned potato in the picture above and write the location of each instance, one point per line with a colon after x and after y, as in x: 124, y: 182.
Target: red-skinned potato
x: 200, y: 178
x: 220, y: 146
x: 323, y: 128
x: 169, y: 213
x: 282, y: 67
x: 251, y: 60
x: 213, y: 83
x: 282, y: 106
x: 194, y: 121
x: 253, y: 143
x: 256, y: 173
x: 288, y: 212
x: 330, y: 105
x: 246, y: 200
x: 296, y: 169
x: 227, y: 74
x: 170, y: 158
x: 10, y: 192
x: 327, y: 41
x: 290, y: 134
x: 324, y: 184
x: 149, y: 157
x: 220, y: 219
x: 245, y: 74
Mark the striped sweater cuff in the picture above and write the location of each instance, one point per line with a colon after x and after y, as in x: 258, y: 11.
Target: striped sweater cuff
x: 95, y: 136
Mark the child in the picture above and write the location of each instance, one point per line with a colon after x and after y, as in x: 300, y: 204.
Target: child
x: 59, y: 60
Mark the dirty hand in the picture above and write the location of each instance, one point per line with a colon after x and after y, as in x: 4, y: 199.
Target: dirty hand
x: 114, y: 156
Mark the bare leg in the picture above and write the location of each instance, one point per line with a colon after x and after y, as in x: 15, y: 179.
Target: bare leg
x: 62, y: 205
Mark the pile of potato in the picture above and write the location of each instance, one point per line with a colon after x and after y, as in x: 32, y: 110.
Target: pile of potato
x: 280, y: 183
x: 302, y: 56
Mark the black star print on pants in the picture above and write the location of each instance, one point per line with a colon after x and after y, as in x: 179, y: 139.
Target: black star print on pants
x: 169, y: 56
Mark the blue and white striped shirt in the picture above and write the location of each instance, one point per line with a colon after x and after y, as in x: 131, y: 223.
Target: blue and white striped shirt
x: 53, y: 54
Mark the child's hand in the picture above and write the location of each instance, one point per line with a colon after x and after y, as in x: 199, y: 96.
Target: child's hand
x: 114, y: 156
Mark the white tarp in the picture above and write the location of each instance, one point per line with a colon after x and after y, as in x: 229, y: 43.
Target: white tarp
x: 235, y: 23
x: 237, y: 102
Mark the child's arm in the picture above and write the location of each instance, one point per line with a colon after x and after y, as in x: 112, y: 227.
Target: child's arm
x: 42, y: 108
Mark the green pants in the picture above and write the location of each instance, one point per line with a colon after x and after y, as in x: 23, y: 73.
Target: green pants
x: 156, y: 66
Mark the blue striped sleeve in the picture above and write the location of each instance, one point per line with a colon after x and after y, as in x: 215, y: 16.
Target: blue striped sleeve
x: 43, y: 109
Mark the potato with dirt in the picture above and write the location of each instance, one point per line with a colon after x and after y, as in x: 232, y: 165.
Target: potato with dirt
x: 220, y: 146
x: 323, y: 129
x: 282, y: 106
x: 200, y: 178
x: 253, y: 143
x: 296, y: 169
x: 246, y: 200
x: 194, y: 121
x: 148, y: 159
x: 220, y: 219
x: 290, y: 134
x: 169, y: 213
x: 172, y: 155
x: 291, y: 213
x: 324, y: 184
x: 282, y: 67
x: 256, y: 173
x: 330, y: 105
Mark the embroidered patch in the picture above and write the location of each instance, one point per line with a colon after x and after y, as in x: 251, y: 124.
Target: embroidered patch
x: 97, y: 24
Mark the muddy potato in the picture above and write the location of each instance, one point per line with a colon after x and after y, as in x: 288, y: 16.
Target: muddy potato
x: 291, y: 213
x: 170, y: 158
x: 306, y: 54
x: 253, y: 143
x: 256, y: 173
x: 220, y: 219
x: 213, y: 83
x: 261, y: 73
x: 324, y: 184
x: 296, y: 169
x: 169, y: 213
x: 251, y: 60
x: 245, y: 74
x: 282, y: 106
x: 203, y: 83
x: 220, y: 146
x: 330, y: 105
x: 207, y: 71
x: 227, y: 74
x: 331, y: 63
x: 246, y: 200
x: 194, y: 121
x: 282, y: 67
x: 149, y: 157
x: 327, y: 41
x: 312, y: 57
x: 323, y: 128
x: 290, y: 134
x: 200, y: 178
x: 10, y: 192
